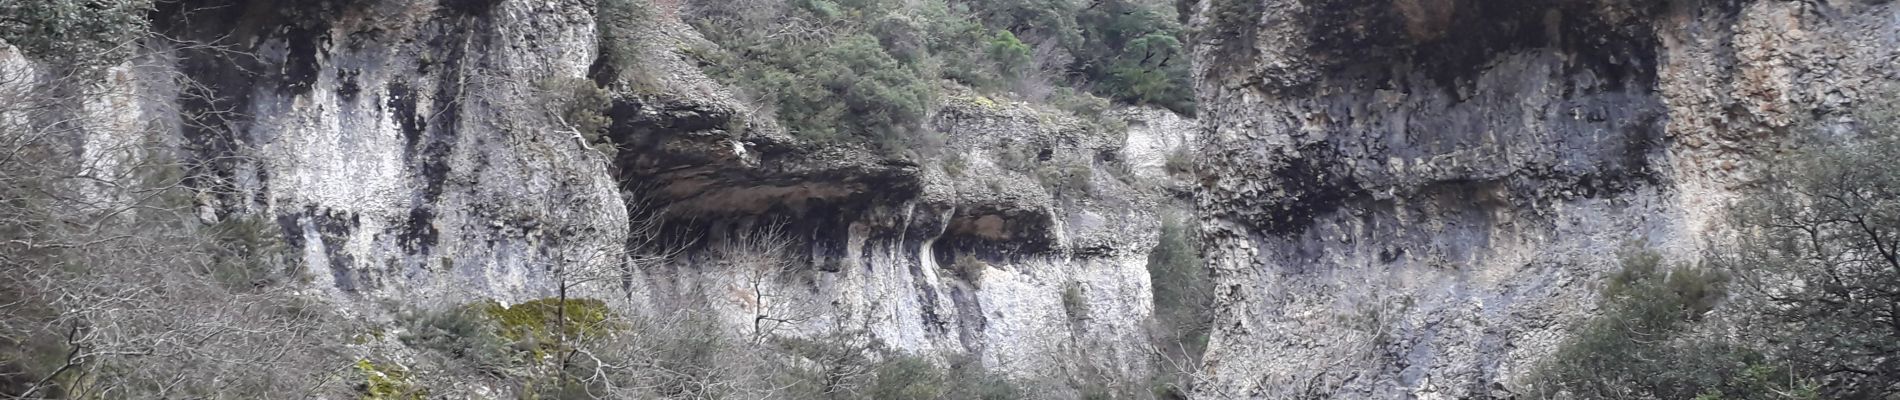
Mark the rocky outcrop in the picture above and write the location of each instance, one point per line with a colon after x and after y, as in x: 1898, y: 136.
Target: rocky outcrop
x: 391, y: 142
x: 1024, y: 243
x: 1412, y: 198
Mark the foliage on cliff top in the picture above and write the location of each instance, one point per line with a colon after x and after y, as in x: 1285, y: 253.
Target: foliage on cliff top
x: 1129, y: 50
x: 868, y: 70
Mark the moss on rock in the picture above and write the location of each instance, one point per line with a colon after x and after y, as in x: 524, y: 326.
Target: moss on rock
x: 388, y: 382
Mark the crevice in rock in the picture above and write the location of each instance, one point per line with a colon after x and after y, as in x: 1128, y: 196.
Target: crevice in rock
x: 692, y: 162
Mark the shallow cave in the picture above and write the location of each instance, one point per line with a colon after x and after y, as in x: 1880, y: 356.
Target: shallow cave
x: 994, y: 236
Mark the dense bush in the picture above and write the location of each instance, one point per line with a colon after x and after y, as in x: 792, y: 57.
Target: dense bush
x: 460, y: 333
x: 550, y: 325
x: 1129, y: 50
x: 539, y: 343
x: 1183, y: 299
x: 621, y: 25
x: 1132, y: 51
x: 848, y: 365
x: 1183, y: 291
x: 868, y: 70
x: 1806, y: 295
x: 249, y: 253
x: 911, y: 377
x: 855, y: 71
x: 1636, y: 344
x: 907, y: 378
x: 1820, y: 263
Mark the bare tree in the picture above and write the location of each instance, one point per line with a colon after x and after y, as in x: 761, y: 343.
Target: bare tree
x: 762, y: 259
x: 110, y: 284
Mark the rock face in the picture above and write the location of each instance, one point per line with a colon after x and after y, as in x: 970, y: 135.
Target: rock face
x: 970, y: 255
x: 1412, y: 198
x: 413, y: 152
x: 391, y: 142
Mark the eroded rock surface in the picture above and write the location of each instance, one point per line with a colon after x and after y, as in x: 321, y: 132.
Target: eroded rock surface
x: 1412, y: 198
x: 968, y: 253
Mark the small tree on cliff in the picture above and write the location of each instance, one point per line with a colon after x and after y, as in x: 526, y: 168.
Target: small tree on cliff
x: 1814, y: 304
x: 1639, y: 343
x: 1819, y: 259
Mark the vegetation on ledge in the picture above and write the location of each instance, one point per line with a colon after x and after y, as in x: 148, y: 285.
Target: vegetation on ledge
x: 869, y: 70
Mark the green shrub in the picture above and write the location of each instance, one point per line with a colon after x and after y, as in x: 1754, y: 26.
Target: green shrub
x: 1183, y: 290
x: 867, y: 70
x: 968, y: 379
x: 1635, y: 345
x: 1183, y: 302
x: 580, y: 106
x: 848, y: 365
x: 1821, y: 263
x: 850, y: 90
x: 1814, y: 273
x: 387, y: 382
x: 1010, y: 55
x: 621, y: 24
x: 868, y: 78
x: 1133, y: 52
x: 1072, y: 180
x: 906, y: 377
x: 542, y: 325
x: 461, y: 333
x: 1129, y: 50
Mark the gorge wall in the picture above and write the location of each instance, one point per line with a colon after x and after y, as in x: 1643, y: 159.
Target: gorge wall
x: 414, y: 154
x: 1397, y: 198
x: 1414, y: 198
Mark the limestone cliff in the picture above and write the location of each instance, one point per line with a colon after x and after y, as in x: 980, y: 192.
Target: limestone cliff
x: 1412, y: 198
x: 414, y: 153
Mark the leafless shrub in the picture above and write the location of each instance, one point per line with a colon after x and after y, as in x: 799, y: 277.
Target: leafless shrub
x: 110, y: 284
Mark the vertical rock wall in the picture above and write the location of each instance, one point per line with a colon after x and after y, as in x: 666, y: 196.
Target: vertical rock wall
x: 401, y: 145
x: 1412, y: 198
x: 972, y: 253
